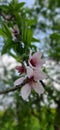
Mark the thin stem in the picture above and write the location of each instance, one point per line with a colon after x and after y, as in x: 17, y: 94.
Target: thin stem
x: 12, y: 89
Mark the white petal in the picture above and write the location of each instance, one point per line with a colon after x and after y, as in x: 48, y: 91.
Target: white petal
x: 25, y: 91
x: 39, y: 74
x: 38, y: 87
x: 19, y: 81
x: 29, y: 72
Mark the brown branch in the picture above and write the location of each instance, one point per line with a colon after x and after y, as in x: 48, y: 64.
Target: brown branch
x: 13, y: 89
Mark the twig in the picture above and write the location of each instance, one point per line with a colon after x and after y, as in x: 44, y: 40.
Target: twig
x: 12, y: 89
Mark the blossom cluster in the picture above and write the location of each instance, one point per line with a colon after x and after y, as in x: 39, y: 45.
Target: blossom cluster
x: 33, y: 73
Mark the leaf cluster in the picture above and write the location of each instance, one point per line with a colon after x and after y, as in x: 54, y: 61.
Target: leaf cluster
x: 12, y: 14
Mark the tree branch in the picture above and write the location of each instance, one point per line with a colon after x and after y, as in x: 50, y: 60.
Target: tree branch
x: 13, y: 89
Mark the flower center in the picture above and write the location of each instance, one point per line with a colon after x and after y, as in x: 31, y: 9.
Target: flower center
x: 33, y: 62
x: 30, y: 80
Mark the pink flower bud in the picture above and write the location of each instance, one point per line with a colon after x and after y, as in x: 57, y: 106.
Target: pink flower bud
x: 21, y: 69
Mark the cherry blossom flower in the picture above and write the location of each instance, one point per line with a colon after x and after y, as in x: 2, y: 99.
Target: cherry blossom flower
x: 35, y: 60
x: 32, y: 83
x: 33, y: 75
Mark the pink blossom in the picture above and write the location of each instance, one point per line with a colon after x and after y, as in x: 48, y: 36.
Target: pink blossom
x: 32, y: 83
x: 26, y: 89
x: 33, y: 75
x: 35, y: 60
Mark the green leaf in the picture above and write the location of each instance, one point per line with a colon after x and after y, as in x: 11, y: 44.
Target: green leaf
x: 4, y: 8
x: 5, y: 49
x: 35, y: 39
x: 17, y: 6
x: 31, y: 22
x: 55, y: 36
x: 7, y: 31
x: 29, y: 36
x: 2, y: 33
x: 20, y: 5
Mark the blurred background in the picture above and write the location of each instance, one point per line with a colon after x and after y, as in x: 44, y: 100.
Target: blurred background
x: 33, y: 25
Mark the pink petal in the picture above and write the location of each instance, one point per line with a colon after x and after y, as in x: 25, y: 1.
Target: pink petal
x: 35, y: 55
x: 21, y: 69
x: 40, y: 62
x: 39, y: 74
x: 38, y: 87
x: 29, y: 72
x: 35, y: 60
x: 19, y: 81
x: 25, y: 91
